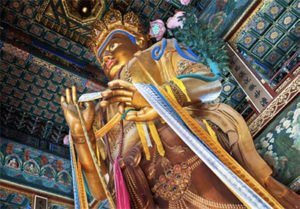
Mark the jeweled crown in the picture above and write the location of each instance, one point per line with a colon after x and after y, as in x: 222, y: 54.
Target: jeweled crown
x: 114, y: 22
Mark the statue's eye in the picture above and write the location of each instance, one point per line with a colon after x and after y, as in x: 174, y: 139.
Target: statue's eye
x: 113, y: 46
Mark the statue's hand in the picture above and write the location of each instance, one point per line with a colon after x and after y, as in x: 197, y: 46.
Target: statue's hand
x: 144, y: 114
x: 125, y: 93
x: 71, y: 114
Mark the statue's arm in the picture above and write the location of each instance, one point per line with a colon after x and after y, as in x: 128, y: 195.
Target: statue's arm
x: 88, y: 166
x: 83, y: 153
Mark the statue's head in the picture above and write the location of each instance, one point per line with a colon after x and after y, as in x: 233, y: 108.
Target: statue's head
x: 116, y: 39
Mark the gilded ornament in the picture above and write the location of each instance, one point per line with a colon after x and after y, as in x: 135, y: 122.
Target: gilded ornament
x: 260, y: 49
x: 248, y: 40
x: 176, y: 179
x: 283, y: 85
x: 260, y: 25
x: 286, y: 43
x: 287, y: 20
x: 274, y: 10
x: 274, y: 35
x: 16, y: 4
x: 227, y: 88
x: 273, y: 57
x: 297, y: 30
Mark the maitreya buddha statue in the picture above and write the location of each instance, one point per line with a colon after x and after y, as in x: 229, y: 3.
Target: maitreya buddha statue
x: 168, y: 175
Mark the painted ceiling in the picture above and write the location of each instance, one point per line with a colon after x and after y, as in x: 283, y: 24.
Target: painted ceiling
x: 271, y: 38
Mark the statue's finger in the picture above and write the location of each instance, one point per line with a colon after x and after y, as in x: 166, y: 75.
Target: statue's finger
x: 106, y: 93
x: 122, y: 92
x: 121, y: 108
x: 131, y: 116
x: 117, y: 92
x: 68, y: 96
x: 121, y: 84
x: 63, y: 101
x: 113, y: 100
x: 143, y: 115
x: 119, y: 99
x: 104, y: 103
x: 141, y: 112
x: 74, y: 94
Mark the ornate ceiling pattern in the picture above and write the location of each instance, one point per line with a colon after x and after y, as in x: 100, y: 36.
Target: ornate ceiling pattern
x: 60, y: 44
x: 271, y: 37
x: 233, y: 95
x: 30, y: 93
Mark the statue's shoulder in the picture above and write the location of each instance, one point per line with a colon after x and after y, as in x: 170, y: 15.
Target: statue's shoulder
x: 171, y: 49
x: 162, y: 48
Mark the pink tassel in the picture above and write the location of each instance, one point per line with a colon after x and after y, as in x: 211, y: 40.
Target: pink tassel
x: 121, y: 190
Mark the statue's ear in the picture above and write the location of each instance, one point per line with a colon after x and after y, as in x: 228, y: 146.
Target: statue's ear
x: 141, y: 42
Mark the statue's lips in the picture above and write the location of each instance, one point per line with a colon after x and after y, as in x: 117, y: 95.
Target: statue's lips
x: 109, y: 63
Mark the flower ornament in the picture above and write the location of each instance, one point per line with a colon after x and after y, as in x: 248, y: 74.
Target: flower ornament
x: 286, y: 124
x: 174, y: 22
x: 157, y: 29
x: 185, y: 2
x: 66, y: 140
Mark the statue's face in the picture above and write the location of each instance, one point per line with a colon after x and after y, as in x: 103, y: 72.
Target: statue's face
x: 117, y: 54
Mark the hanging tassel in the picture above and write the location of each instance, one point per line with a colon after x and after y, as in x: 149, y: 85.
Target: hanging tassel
x: 108, y: 126
x: 139, y: 126
x: 170, y: 92
x: 98, y: 153
x: 120, y: 186
x: 180, y: 85
x: 156, y: 138
x: 147, y: 136
x: 80, y: 200
x: 84, y: 204
x: 210, y: 131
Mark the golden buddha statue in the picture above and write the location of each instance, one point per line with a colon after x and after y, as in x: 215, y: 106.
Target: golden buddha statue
x: 122, y: 49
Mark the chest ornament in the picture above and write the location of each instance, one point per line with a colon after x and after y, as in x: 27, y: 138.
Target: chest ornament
x: 175, y: 180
